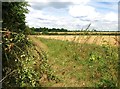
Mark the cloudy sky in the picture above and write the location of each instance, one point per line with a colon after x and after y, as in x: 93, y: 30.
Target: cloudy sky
x: 74, y: 14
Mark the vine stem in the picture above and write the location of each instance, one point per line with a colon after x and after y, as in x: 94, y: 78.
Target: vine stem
x: 7, y: 76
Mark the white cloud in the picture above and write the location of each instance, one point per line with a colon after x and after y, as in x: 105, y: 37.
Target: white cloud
x: 86, y: 14
x: 111, y: 16
x: 105, y: 0
x: 38, y: 14
x: 85, y: 11
x: 76, y: 1
x: 37, y: 18
x: 44, y: 1
x: 73, y: 0
x: 100, y: 21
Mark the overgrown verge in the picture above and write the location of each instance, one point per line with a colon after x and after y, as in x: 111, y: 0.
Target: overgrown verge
x: 15, y: 57
x: 88, y: 65
x: 23, y: 64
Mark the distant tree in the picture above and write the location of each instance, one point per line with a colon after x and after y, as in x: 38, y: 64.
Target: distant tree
x: 94, y: 30
x: 43, y: 29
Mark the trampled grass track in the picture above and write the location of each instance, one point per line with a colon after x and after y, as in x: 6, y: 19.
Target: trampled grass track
x: 70, y: 61
x: 99, y: 40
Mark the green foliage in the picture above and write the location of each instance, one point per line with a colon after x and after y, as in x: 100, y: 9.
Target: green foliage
x: 104, y: 67
x: 15, y: 57
x: 13, y: 15
x: 21, y: 66
x: 45, y: 29
x: 45, y: 32
x: 26, y: 71
x: 28, y: 31
x: 105, y: 83
x: 96, y: 65
x: 18, y: 70
x: 29, y: 67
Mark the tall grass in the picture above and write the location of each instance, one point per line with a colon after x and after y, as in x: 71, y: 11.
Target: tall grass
x: 88, y: 65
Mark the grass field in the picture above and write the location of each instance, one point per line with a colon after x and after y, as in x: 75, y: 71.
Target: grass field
x: 80, y: 65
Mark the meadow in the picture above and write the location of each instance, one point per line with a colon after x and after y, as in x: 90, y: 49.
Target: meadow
x: 81, y: 61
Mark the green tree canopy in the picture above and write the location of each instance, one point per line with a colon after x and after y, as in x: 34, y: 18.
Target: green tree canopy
x: 13, y: 15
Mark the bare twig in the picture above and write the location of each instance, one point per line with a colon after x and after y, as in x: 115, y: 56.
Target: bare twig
x: 7, y: 76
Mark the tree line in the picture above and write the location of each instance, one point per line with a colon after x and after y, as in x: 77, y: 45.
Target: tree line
x: 43, y: 29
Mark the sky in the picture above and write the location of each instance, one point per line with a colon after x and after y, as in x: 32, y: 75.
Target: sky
x: 73, y: 14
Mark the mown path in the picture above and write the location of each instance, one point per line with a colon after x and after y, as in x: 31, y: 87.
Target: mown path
x: 61, y: 71
x: 38, y: 43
